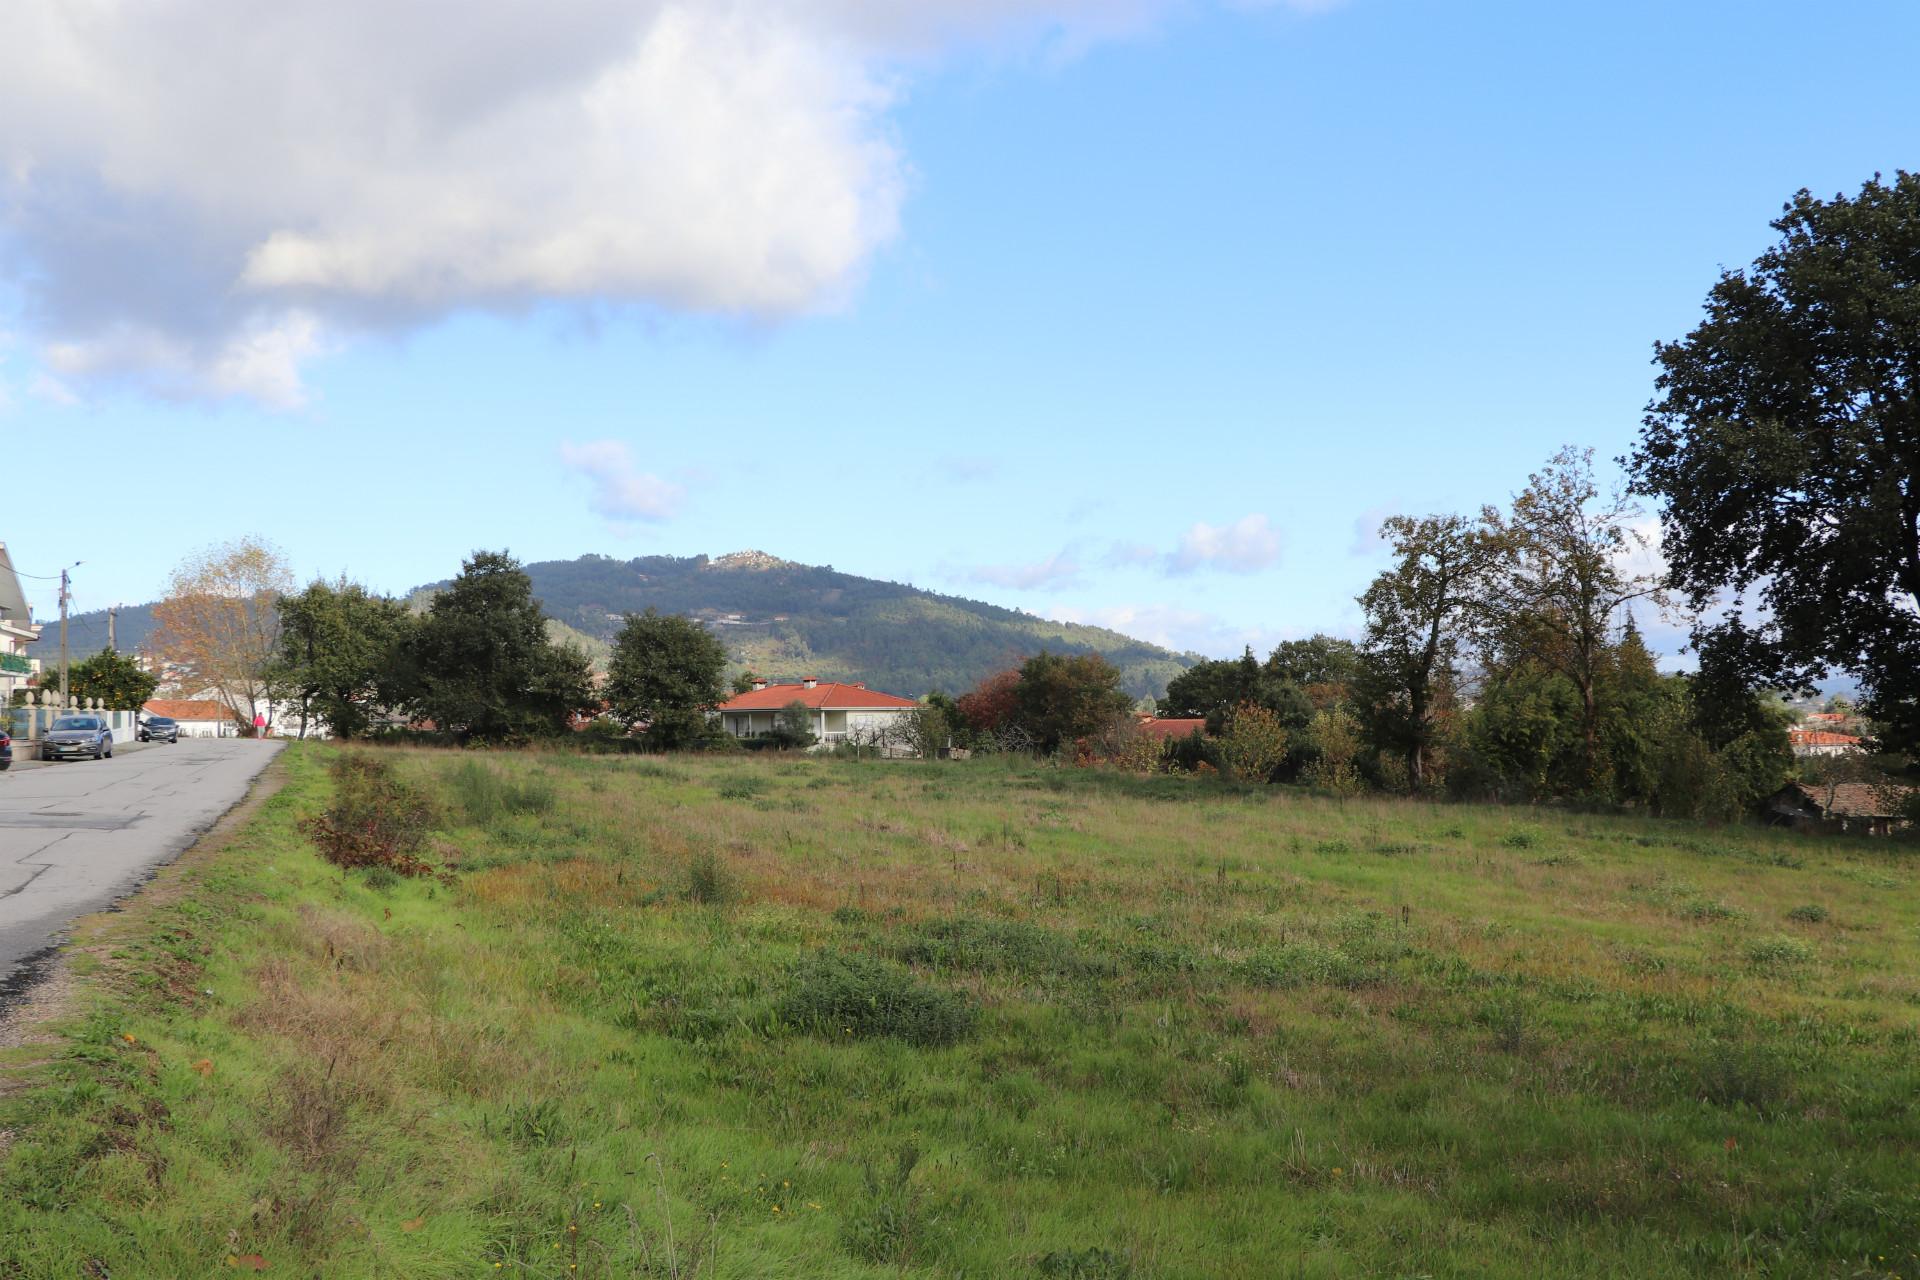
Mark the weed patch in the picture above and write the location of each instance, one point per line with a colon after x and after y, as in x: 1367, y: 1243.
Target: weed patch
x: 1778, y: 955
x: 709, y: 880
x: 851, y: 996
x: 993, y: 946
x: 484, y: 794
x: 373, y: 819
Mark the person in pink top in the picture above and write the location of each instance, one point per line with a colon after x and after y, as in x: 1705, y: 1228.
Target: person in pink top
x: 259, y: 725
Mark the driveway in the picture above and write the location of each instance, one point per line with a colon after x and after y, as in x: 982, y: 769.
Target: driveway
x: 77, y: 836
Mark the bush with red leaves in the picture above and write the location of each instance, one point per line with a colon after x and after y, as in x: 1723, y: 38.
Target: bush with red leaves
x: 374, y: 818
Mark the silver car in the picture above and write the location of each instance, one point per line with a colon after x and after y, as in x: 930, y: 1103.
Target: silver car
x: 72, y: 737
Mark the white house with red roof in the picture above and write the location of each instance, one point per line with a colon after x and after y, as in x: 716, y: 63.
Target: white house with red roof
x: 841, y: 712
x: 1818, y: 742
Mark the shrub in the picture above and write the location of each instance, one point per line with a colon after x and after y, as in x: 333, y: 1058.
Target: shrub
x: 1337, y: 736
x: 373, y: 820
x: 1521, y: 838
x: 849, y: 995
x: 1810, y: 913
x: 709, y: 881
x: 793, y: 727
x: 379, y: 879
x: 1254, y: 744
x: 1742, y: 1075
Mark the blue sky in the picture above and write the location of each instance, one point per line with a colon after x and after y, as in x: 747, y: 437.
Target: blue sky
x: 1137, y: 313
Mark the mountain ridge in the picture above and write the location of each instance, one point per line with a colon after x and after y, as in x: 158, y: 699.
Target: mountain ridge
x: 780, y: 618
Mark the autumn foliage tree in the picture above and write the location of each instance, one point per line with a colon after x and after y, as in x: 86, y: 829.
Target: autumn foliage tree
x: 991, y: 705
x: 218, y: 625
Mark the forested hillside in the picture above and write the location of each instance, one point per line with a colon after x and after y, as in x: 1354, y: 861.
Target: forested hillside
x: 782, y: 619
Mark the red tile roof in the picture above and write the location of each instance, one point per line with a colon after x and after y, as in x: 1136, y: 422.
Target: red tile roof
x: 822, y: 697
x: 188, y: 709
x: 1857, y: 799
x: 1826, y: 717
x: 1154, y: 727
x: 1820, y: 738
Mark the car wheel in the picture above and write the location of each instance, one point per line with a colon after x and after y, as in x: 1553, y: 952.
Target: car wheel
x: 109, y: 751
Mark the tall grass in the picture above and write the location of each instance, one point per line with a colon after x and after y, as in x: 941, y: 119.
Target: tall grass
x: 987, y: 1020
x: 484, y: 793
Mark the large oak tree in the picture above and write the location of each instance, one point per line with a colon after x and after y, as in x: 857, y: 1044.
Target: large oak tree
x: 1784, y: 441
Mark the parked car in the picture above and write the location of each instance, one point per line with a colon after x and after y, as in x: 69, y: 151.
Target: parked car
x: 160, y: 729
x: 74, y: 736
x: 6, y: 751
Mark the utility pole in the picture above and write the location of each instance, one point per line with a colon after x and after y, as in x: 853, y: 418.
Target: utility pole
x: 111, y: 610
x: 65, y: 595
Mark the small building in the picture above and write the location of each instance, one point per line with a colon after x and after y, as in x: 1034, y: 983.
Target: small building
x: 1864, y: 808
x: 197, y: 717
x: 839, y: 712
x: 1820, y: 742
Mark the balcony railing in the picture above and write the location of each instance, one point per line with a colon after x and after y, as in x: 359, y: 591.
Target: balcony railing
x: 17, y: 664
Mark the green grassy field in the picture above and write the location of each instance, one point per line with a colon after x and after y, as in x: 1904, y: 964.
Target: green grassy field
x: 793, y: 1018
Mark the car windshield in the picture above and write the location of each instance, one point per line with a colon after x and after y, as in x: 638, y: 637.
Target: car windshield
x: 162, y: 721
x: 76, y: 722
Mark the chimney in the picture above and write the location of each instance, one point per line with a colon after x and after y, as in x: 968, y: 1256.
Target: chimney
x: 856, y: 685
x: 810, y: 682
x: 758, y: 684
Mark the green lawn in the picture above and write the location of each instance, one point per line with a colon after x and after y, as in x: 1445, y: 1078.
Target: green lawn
x: 780, y: 1017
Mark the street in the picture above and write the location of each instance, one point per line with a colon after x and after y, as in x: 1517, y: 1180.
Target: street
x: 77, y: 836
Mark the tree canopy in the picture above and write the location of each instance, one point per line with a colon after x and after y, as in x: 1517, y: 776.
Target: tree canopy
x: 1420, y: 615
x: 341, y: 658
x: 666, y: 673
x: 216, y: 628
x: 1784, y: 443
x: 486, y: 667
x: 120, y: 682
x: 1061, y: 698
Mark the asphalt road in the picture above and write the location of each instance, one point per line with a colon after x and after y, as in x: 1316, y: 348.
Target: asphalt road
x: 77, y: 836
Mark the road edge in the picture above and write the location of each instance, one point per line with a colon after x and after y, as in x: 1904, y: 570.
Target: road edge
x: 43, y: 989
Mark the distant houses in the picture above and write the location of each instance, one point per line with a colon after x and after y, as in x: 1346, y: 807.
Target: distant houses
x: 197, y: 717
x: 838, y: 712
x: 1821, y: 742
x: 1862, y: 808
x: 1169, y: 729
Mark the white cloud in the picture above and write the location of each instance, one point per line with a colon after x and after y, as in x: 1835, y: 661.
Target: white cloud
x: 1131, y: 555
x: 1248, y: 545
x: 1055, y: 571
x: 198, y: 195
x: 620, y: 490
x: 1173, y: 627
x: 53, y: 391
